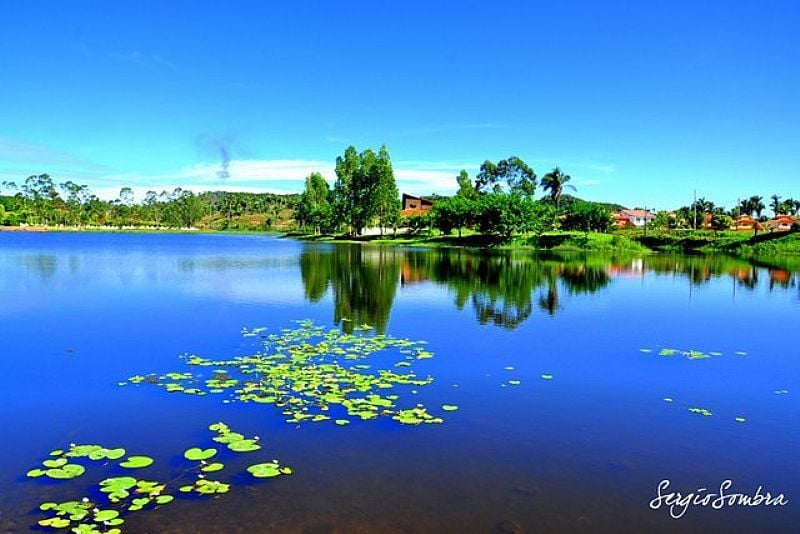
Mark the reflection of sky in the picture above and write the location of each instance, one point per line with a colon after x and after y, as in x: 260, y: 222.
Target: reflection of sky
x: 130, y: 304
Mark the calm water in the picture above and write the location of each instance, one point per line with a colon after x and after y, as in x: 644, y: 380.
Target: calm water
x: 581, y: 452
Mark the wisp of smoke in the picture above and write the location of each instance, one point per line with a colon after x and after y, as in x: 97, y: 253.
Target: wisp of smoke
x: 223, y: 173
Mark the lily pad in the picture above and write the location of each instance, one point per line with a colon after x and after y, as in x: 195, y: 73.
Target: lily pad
x: 66, y: 471
x: 268, y: 470
x: 137, y: 462
x: 244, y: 445
x: 449, y: 407
x: 197, y: 454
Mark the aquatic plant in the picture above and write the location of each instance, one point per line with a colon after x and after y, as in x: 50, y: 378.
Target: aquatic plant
x: 307, y: 372
x: 127, y: 494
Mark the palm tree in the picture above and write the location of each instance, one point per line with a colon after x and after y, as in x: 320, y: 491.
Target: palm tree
x: 745, y: 207
x: 775, y: 205
x: 757, y: 205
x: 555, y: 181
x: 796, y: 206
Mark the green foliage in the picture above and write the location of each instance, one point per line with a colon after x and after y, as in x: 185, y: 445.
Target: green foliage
x: 587, y: 217
x: 314, y: 208
x: 504, y: 214
x: 365, y: 189
x: 455, y: 213
x: 554, y: 182
x: 720, y: 221
x: 515, y: 173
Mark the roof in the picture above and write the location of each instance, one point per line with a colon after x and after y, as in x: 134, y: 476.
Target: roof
x: 637, y: 213
x: 422, y: 200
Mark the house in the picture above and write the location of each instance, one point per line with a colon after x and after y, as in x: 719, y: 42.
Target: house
x: 635, y: 217
x: 621, y: 221
x: 415, y: 205
x: 745, y: 223
x: 781, y: 223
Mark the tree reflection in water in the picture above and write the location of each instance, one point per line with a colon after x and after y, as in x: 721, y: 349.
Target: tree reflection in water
x: 502, y: 288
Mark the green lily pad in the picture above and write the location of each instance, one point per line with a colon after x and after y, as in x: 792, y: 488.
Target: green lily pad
x: 164, y: 499
x: 515, y: 382
x: 212, y: 467
x: 244, y: 445
x: 268, y: 470
x: 740, y: 420
x: 105, y: 515
x: 197, y: 454
x: 137, y: 462
x: 66, y: 472
x: 548, y: 377
x: 449, y: 407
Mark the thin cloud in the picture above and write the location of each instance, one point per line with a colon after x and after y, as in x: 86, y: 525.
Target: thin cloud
x: 22, y: 158
x: 268, y: 176
x: 142, y: 59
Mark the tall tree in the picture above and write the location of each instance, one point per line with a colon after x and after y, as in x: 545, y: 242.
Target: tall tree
x: 515, y: 173
x: 388, y: 197
x: 776, y: 205
x: 757, y: 205
x: 466, y: 188
x: 314, y: 208
x: 554, y: 183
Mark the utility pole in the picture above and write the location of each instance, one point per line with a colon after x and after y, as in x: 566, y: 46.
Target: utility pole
x: 645, y: 221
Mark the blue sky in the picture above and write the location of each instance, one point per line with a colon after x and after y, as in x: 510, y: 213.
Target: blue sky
x: 641, y: 102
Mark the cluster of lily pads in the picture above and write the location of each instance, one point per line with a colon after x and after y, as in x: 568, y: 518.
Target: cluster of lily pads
x: 312, y: 375
x: 126, y: 494
x: 705, y: 412
x: 691, y: 354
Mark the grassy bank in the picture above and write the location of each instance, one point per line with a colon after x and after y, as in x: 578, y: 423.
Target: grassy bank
x: 557, y: 241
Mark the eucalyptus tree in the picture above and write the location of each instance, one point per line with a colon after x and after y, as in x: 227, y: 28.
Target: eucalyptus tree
x: 517, y: 176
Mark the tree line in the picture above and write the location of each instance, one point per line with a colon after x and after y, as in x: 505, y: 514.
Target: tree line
x: 41, y: 201
x: 499, y: 201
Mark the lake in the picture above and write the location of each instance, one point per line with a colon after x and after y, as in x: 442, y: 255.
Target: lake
x: 559, y: 366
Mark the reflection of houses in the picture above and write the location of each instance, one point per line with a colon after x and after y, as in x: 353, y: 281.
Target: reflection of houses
x: 636, y: 268
x: 635, y: 217
x: 416, y: 205
x: 411, y: 274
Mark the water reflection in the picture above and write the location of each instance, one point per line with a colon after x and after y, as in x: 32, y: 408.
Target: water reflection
x: 363, y: 280
x: 502, y: 289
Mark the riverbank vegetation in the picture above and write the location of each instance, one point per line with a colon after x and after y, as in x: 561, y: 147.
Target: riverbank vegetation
x: 497, y: 208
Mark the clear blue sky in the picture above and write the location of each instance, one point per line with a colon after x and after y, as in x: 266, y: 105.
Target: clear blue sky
x: 640, y: 101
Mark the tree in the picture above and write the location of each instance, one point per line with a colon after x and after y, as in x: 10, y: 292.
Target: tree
x: 504, y: 215
x: 588, y: 217
x: 465, y: 187
x: 554, y: 182
x: 314, y: 208
x: 364, y: 189
x: 453, y: 213
x: 663, y: 221
x: 515, y: 173
x: 776, y: 206
x: 756, y: 205
x: 387, y: 195
x: 720, y: 221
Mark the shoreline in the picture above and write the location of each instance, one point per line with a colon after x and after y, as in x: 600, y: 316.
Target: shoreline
x: 784, y: 245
